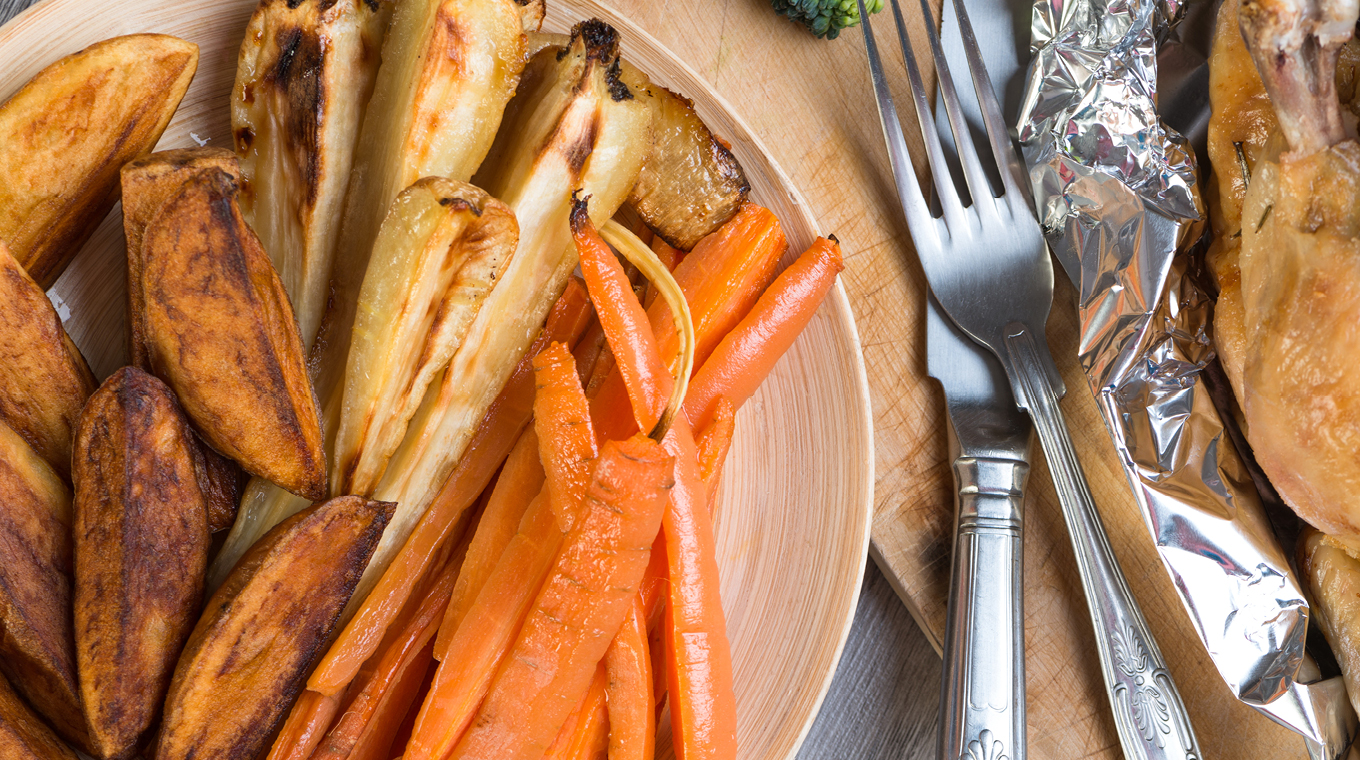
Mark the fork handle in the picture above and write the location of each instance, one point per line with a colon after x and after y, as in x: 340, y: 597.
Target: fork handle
x: 1148, y: 711
x: 983, y: 692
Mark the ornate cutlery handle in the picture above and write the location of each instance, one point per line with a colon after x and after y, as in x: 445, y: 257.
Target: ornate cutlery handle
x: 1148, y: 711
x: 983, y: 700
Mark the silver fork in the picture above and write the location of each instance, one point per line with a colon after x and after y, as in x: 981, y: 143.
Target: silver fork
x: 989, y: 268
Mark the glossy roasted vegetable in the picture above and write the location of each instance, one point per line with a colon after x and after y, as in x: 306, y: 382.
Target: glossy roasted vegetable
x: 44, y: 380
x: 220, y: 332
x: 436, y: 258
x: 141, y: 548
x: 303, y: 78
x: 65, y: 134
x: 37, y: 651
x: 23, y: 735
x: 448, y: 68
x: 262, y: 631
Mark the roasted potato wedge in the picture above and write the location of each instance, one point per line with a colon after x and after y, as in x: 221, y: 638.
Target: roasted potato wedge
x: 44, y: 380
x: 141, y: 548
x: 691, y: 184
x: 250, y: 653
x: 440, y: 250
x: 23, y: 735
x: 221, y: 333
x: 65, y: 134
x: 303, y: 78
x: 147, y: 183
x: 37, y: 650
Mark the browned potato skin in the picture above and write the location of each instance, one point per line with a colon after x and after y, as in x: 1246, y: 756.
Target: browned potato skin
x: 44, y: 381
x: 37, y: 650
x: 263, y: 630
x: 23, y: 735
x: 141, y: 551
x: 147, y: 183
x: 691, y: 184
x: 220, y: 331
x: 65, y: 134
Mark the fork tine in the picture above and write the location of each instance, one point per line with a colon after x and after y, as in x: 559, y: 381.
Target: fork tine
x: 978, y: 186
x: 939, y: 170
x: 914, y: 206
x: 1013, y: 175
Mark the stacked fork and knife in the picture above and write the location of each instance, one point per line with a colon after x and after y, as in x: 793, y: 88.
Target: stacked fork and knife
x: 991, y: 288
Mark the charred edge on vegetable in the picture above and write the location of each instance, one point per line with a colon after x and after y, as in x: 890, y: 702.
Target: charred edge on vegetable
x: 372, y: 5
x: 618, y: 91
x: 601, y: 40
x: 297, y: 75
x: 580, y: 211
x: 461, y: 204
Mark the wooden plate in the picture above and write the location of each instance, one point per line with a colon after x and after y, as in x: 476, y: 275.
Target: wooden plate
x: 795, y: 510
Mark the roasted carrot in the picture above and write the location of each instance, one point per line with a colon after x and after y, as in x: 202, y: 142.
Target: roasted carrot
x: 669, y: 254
x: 713, y: 445
x: 748, y: 353
x: 698, y: 658
x: 580, y: 608
x: 490, y: 445
x: 632, y: 706
x: 408, y: 722
x: 566, y: 439
x: 622, y: 317
x: 586, y: 732
x: 519, y: 482
x: 486, y: 634
x: 305, y: 727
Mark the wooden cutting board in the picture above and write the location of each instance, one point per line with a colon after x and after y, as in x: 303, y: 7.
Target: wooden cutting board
x: 811, y: 102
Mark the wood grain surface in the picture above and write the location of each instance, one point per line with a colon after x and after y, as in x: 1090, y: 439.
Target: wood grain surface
x: 811, y: 104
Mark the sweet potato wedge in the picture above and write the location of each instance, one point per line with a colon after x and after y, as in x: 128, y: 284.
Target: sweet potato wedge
x: 148, y: 182
x: 65, y: 134
x: 220, y: 331
x: 262, y: 631
x: 303, y: 78
x: 23, y: 735
x: 141, y: 548
x: 44, y: 380
x: 37, y: 651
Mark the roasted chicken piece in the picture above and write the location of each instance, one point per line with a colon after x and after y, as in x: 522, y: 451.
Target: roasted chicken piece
x: 1288, y: 321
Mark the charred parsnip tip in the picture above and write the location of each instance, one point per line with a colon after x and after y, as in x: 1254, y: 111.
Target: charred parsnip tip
x: 23, y: 735
x: 44, y: 380
x: 37, y: 649
x: 434, y: 263
x: 65, y: 134
x: 303, y: 78
x: 682, y: 364
x: 141, y: 546
x: 220, y: 332
x: 572, y: 125
x: 691, y: 184
x: 249, y: 655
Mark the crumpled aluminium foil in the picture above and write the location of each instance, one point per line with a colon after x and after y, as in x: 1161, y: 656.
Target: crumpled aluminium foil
x: 1117, y: 197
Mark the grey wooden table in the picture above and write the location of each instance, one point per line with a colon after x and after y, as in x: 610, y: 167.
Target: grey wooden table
x: 883, y: 701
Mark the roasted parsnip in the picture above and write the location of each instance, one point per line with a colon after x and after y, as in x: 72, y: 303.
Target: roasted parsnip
x: 65, y: 134
x: 303, y: 78
x: 531, y: 14
x: 44, y: 380
x: 37, y: 651
x: 436, y: 258
x: 23, y: 735
x: 221, y: 333
x: 250, y: 653
x: 141, y: 548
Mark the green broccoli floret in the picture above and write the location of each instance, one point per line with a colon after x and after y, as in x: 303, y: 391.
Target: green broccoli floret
x: 825, y: 18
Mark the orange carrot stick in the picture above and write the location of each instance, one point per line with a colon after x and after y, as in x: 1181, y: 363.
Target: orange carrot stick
x: 743, y: 359
x: 566, y: 440
x: 713, y: 444
x: 486, y: 634
x: 580, y: 608
x: 586, y: 731
x: 698, y: 658
x: 408, y: 722
x: 669, y: 254
x: 489, y: 447
x: 306, y: 726
x: 520, y: 481
x: 622, y: 317
x: 632, y: 706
